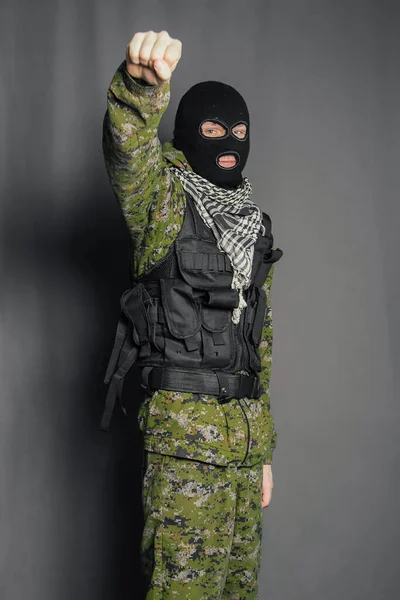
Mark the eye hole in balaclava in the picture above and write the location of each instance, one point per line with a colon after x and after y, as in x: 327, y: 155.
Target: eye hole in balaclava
x: 220, y: 130
x: 221, y: 157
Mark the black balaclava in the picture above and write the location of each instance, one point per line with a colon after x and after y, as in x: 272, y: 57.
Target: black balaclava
x: 221, y: 103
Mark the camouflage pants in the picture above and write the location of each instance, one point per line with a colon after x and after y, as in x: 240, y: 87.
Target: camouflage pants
x: 203, y: 526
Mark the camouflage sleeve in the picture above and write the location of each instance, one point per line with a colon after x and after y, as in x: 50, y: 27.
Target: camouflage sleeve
x: 266, y: 361
x: 151, y: 200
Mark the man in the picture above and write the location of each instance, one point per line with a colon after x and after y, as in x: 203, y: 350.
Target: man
x: 197, y: 321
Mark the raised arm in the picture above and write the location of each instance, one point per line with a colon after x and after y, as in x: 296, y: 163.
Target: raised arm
x: 151, y: 201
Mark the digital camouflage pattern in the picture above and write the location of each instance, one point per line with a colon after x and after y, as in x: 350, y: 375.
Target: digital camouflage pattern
x: 153, y: 203
x: 203, y: 530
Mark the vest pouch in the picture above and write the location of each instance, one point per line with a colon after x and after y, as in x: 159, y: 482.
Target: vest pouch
x: 223, y: 298
x: 268, y: 259
x: 182, y: 319
x: 217, y: 336
x: 258, y: 322
x: 157, y: 323
x: 255, y: 314
x: 202, y: 265
x: 135, y: 303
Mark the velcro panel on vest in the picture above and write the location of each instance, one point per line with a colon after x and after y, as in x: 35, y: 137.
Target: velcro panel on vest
x: 181, y: 310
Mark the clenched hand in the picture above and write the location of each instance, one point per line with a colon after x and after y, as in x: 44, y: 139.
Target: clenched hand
x: 153, y: 56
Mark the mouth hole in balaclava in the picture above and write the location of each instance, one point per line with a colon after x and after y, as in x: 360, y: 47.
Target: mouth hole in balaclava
x: 228, y: 166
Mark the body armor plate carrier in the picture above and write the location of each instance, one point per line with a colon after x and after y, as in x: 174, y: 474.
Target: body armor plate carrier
x: 176, y: 321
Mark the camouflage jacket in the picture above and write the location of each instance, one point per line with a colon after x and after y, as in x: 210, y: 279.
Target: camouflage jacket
x: 152, y: 201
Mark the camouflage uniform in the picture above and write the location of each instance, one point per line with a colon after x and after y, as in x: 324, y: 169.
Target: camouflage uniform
x: 188, y: 438
x: 202, y: 538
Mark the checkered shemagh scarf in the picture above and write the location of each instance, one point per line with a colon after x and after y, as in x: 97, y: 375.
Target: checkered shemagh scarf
x: 235, y: 221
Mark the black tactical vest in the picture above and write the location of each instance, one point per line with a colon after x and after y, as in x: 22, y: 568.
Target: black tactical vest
x: 176, y: 320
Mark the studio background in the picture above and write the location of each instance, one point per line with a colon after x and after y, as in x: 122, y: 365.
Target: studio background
x: 321, y: 78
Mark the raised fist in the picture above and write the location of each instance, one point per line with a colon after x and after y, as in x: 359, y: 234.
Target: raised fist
x: 153, y: 56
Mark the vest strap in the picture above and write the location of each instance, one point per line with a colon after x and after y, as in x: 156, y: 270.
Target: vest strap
x: 223, y: 386
x: 123, y: 356
x: 120, y: 337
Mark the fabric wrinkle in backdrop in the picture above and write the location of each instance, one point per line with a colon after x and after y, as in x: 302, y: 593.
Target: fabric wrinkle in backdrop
x: 321, y: 81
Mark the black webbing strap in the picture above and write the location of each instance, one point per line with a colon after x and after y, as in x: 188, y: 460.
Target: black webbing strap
x: 124, y: 354
x: 120, y: 337
x: 224, y: 386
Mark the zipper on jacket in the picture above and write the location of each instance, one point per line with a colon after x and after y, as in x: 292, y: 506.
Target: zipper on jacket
x: 246, y: 341
x: 248, y: 431
x: 244, y: 353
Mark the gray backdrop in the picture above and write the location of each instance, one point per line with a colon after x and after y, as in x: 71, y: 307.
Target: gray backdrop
x: 322, y: 82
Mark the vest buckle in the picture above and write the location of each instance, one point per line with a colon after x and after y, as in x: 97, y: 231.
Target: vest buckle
x: 249, y: 386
